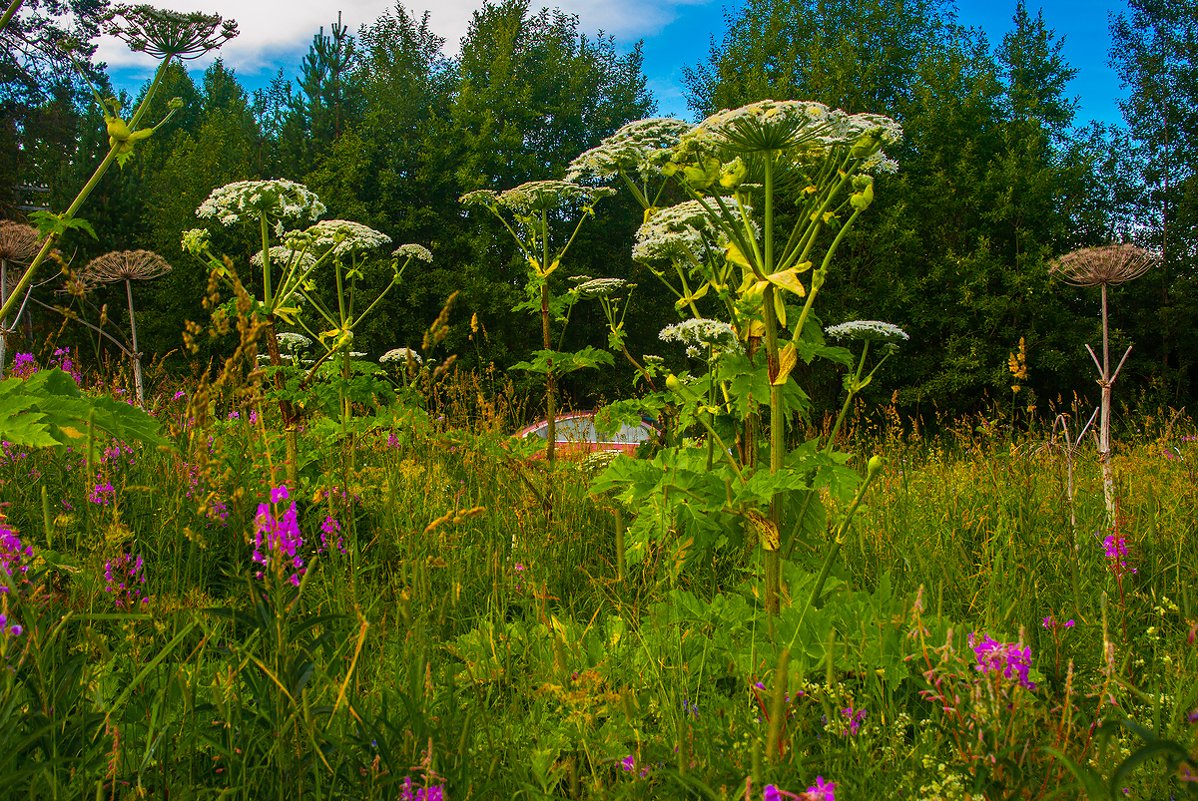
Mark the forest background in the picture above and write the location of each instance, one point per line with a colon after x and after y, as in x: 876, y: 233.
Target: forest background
x: 996, y: 178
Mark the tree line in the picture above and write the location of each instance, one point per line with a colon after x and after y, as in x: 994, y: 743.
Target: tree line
x: 996, y: 180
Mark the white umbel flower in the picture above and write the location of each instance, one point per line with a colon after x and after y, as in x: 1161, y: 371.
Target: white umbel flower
x: 413, y: 251
x: 537, y: 196
x: 244, y: 201
x: 701, y: 335
x: 401, y: 356
x: 640, y: 147
x: 345, y: 237
x: 871, y: 330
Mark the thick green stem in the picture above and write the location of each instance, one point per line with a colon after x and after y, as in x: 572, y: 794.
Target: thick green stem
x: 267, y: 294
x: 848, y: 401
x: 773, y: 559
x: 9, y: 13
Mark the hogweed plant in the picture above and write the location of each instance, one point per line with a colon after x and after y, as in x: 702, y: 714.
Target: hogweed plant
x: 1103, y: 267
x: 773, y: 189
x: 165, y: 35
x: 125, y: 266
x: 529, y: 213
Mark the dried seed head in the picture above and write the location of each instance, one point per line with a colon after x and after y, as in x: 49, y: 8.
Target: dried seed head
x: 1104, y: 266
x: 18, y: 242
x: 165, y: 34
x: 124, y: 265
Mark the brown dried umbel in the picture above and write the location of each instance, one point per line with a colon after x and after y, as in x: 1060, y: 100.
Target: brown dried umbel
x: 1104, y: 266
x: 124, y: 265
x: 18, y: 243
x: 165, y: 34
x: 127, y: 265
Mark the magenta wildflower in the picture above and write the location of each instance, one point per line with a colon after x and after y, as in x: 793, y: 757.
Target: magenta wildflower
x: 1051, y: 623
x: 392, y: 440
x: 8, y: 629
x: 771, y: 793
x: 277, y: 540
x: 628, y: 764
x: 234, y: 415
x: 23, y: 365
x: 1115, y: 549
x: 14, y: 556
x: 101, y: 494
x: 253, y: 417
x: 855, y: 719
x: 1007, y: 659
x: 179, y: 395
x: 821, y: 790
x: 62, y: 360
x: 434, y: 792
x: 329, y: 529
x: 123, y: 580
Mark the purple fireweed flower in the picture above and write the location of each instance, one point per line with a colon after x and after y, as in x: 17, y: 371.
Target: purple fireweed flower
x: 771, y: 793
x: 62, y: 360
x: 1115, y: 549
x: 628, y: 763
x: 101, y: 494
x: 179, y: 395
x: 123, y: 580
x: 392, y: 440
x: 23, y: 365
x: 277, y: 539
x: 1008, y: 659
x: 1051, y: 623
x: 855, y: 719
x: 253, y: 417
x: 234, y: 415
x: 434, y: 792
x: 9, y: 628
x: 14, y: 557
x: 821, y: 790
x: 329, y: 529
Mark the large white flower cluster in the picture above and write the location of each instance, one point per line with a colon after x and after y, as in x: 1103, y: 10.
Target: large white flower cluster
x: 872, y: 330
x: 245, y: 201
x: 701, y: 335
x: 783, y: 124
x: 346, y: 237
x: 640, y: 147
x: 676, y: 233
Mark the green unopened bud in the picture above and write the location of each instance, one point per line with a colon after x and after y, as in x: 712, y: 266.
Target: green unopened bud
x: 673, y: 384
x: 175, y: 103
x: 733, y: 174
x: 876, y: 463
x: 864, y: 199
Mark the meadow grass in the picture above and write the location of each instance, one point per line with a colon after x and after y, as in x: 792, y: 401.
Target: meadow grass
x: 462, y: 632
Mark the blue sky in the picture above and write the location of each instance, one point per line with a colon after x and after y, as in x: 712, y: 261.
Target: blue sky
x: 677, y: 33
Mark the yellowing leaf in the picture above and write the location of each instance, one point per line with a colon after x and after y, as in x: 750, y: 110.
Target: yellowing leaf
x: 788, y: 357
x: 789, y: 280
x: 734, y: 255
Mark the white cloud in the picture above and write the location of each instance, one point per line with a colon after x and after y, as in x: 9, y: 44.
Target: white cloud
x: 270, y: 27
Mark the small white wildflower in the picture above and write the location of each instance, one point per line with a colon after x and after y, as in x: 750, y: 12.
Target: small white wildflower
x: 640, y: 147
x: 872, y: 330
x: 701, y: 335
x: 346, y: 237
x: 356, y: 354
x: 403, y: 355
x: 244, y: 201
x: 413, y: 251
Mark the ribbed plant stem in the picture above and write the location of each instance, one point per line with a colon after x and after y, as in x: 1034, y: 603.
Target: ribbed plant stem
x: 1104, y: 425
x: 773, y: 558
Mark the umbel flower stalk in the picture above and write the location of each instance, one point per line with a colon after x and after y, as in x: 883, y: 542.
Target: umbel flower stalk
x: 1102, y: 267
x: 126, y: 266
x: 19, y: 245
x: 164, y: 35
